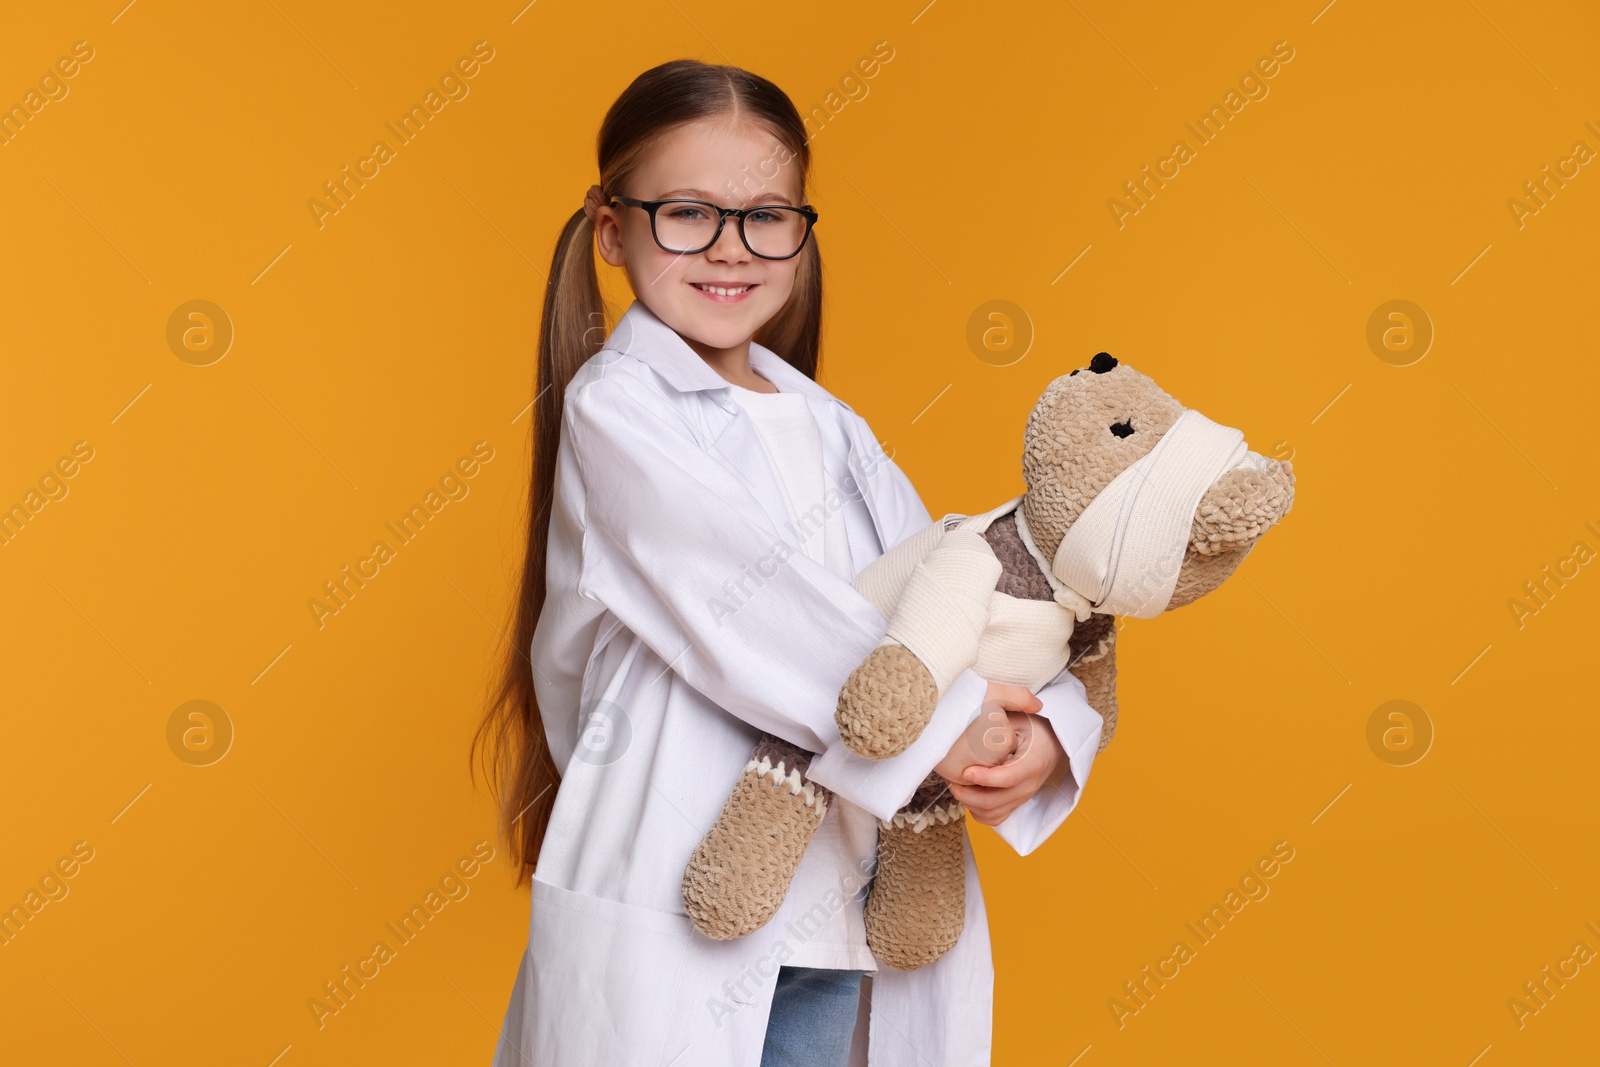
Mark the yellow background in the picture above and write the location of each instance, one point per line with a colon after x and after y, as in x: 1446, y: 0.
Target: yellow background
x: 373, y: 352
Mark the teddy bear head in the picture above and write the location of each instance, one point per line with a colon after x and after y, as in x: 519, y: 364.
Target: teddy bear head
x: 1096, y: 422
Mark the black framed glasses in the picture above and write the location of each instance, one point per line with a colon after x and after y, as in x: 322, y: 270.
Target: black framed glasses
x: 685, y: 227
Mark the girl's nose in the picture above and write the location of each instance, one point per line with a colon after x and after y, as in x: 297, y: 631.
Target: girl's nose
x: 728, y: 246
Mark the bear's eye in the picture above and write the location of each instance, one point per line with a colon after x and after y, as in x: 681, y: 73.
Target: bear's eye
x: 1122, y: 429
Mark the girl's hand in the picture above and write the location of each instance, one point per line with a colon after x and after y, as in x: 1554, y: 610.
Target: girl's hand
x: 991, y: 738
x: 995, y: 792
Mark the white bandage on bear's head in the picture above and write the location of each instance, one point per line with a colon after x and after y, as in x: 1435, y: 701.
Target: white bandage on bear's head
x: 1124, y: 552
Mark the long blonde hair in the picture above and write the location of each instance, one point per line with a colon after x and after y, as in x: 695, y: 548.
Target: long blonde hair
x: 510, y: 741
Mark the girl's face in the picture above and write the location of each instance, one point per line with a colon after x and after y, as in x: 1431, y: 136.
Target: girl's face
x: 723, y: 166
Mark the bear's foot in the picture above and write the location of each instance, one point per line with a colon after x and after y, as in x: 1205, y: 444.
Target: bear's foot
x: 741, y: 870
x: 917, y: 905
x: 886, y: 703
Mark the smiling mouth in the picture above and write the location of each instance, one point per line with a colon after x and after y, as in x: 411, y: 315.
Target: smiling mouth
x: 723, y: 290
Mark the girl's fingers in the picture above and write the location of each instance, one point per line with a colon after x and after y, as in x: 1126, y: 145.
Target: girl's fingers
x: 988, y: 806
x: 976, y: 799
x: 1026, y: 703
x: 1015, y: 698
x: 1000, y: 776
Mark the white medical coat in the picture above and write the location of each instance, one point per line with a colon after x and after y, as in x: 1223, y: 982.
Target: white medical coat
x: 681, y: 621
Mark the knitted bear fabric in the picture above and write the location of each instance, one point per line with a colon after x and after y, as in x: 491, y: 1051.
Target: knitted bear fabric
x: 886, y: 702
x: 917, y: 905
x: 741, y: 871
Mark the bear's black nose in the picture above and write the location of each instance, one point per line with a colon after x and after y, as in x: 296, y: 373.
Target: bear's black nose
x: 1102, y: 362
x: 1122, y: 429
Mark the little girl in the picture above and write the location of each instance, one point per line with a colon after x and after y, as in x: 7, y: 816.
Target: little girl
x: 699, y: 506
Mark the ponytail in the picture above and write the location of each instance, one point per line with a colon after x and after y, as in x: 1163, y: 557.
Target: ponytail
x: 511, y: 737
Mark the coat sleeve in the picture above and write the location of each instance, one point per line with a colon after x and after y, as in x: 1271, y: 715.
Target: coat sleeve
x: 1077, y: 727
x: 679, y: 549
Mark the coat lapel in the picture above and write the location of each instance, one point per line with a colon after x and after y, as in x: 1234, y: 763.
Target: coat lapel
x: 731, y: 436
x: 857, y: 480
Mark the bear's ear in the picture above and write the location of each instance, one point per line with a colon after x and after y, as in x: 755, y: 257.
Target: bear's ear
x: 1102, y: 362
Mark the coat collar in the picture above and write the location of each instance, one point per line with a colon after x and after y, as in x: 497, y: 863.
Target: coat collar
x: 640, y: 333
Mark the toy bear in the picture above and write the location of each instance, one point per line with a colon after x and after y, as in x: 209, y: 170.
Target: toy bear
x: 1134, y: 505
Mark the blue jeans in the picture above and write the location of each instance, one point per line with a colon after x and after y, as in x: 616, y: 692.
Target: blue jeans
x: 813, y: 1017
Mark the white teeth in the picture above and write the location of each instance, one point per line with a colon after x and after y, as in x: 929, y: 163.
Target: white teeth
x: 720, y: 291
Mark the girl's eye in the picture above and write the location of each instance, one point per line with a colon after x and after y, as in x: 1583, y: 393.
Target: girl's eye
x: 762, y: 216
x: 687, y: 212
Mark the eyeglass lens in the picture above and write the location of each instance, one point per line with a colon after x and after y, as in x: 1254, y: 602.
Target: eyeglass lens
x: 688, y: 226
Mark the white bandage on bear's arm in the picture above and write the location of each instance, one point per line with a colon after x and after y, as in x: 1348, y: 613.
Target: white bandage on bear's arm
x: 944, y: 606
x: 882, y: 580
